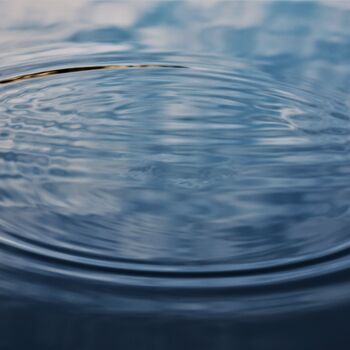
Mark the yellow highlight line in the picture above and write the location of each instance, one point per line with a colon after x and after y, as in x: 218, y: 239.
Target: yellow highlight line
x: 82, y: 69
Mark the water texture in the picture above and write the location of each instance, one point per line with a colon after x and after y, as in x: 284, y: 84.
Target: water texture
x: 174, y: 170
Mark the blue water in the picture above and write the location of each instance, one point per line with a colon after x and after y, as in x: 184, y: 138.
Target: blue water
x: 174, y: 174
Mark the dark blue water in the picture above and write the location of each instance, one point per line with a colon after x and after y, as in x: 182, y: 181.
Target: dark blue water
x: 174, y: 174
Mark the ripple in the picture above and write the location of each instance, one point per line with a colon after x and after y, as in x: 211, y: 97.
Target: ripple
x: 82, y: 69
x: 169, y: 177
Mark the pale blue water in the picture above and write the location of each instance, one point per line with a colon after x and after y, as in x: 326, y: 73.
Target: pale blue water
x: 174, y: 173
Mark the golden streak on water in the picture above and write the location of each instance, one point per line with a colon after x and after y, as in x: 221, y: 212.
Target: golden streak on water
x: 81, y: 69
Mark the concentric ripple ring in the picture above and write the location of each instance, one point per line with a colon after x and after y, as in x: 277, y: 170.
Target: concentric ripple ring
x: 215, y: 180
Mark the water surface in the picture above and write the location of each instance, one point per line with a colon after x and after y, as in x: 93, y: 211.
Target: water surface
x: 174, y: 170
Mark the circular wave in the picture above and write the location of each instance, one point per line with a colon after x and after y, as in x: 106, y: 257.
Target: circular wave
x: 212, y: 171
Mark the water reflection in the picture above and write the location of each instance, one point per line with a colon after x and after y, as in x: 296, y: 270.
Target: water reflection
x: 137, y: 201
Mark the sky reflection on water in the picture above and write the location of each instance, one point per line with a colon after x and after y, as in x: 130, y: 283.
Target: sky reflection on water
x: 207, y: 204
